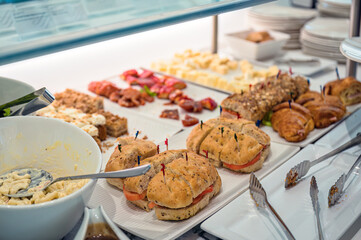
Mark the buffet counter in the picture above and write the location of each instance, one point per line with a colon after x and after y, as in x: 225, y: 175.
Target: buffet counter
x: 78, y: 67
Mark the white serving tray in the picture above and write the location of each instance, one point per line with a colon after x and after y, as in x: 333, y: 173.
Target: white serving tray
x: 155, y: 108
x: 344, y: 132
x: 145, y: 225
x: 314, y: 134
x: 241, y: 219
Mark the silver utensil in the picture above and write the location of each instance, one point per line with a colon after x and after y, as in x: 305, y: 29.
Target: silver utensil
x: 336, y: 190
x: 316, y: 205
x: 301, y: 169
x: 260, y: 197
x: 31, y: 103
x: 41, y: 179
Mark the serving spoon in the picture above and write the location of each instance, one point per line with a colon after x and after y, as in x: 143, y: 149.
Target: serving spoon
x: 41, y: 179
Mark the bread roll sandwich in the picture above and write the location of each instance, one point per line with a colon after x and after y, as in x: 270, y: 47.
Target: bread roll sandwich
x: 347, y: 89
x: 292, y: 122
x: 185, y: 188
x: 325, y: 109
x: 263, y: 96
x: 236, y: 144
x: 135, y: 188
x: 126, y: 154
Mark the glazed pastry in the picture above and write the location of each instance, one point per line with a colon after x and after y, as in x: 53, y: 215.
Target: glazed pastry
x: 347, y: 89
x: 292, y: 123
x: 325, y: 110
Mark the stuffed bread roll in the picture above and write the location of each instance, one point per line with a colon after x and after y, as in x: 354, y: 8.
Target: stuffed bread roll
x: 189, y: 185
x: 135, y: 188
x: 126, y: 156
x: 236, y: 144
x: 347, y: 89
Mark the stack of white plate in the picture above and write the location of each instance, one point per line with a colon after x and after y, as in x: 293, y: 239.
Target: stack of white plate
x: 281, y: 18
x: 322, y: 37
x: 334, y: 8
x: 351, y: 48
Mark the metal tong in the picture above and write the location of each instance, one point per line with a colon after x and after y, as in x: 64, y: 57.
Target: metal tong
x: 336, y: 190
x: 316, y: 205
x: 301, y: 169
x: 260, y: 197
x: 32, y: 102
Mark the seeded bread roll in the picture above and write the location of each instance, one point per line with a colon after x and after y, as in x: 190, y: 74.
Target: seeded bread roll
x: 222, y: 147
x: 139, y: 184
x: 198, y: 134
x: 263, y: 96
x: 128, y: 157
x: 188, y: 186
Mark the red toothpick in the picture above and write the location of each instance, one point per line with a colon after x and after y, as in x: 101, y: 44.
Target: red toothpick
x: 157, y: 149
x: 206, y: 152
x: 250, y: 87
x: 187, y: 158
x: 238, y: 116
x: 163, y: 170
x: 290, y: 70
x: 166, y: 143
x: 268, y: 83
x: 262, y: 86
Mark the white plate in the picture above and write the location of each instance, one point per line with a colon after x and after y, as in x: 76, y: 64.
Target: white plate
x: 273, y: 11
x: 320, y: 41
x: 351, y: 48
x: 339, y: 3
x: 145, y: 225
x: 344, y: 132
x: 329, y: 28
x: 241, y: 219
x: 304, y: 69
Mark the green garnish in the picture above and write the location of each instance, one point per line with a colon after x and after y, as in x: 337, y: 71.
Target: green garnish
x: 147, y: 90
x: 6, y: 112
x: 267, y: 119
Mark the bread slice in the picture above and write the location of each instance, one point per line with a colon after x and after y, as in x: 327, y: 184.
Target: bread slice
x: 214, y: 143
x: 199, y: 133
x: 128, y: 157
x: 140, y: 183
x: 240, y: 152
x: 164, y: 213
x: 223, y: 147
x: 184, y: 181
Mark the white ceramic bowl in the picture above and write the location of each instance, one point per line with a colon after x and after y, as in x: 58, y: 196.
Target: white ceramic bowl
x: 50, y: 144
x: 242, y: 48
